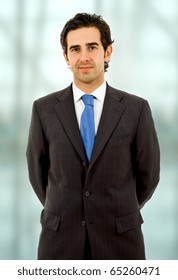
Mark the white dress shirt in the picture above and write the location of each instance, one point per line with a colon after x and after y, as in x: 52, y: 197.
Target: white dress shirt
x: 99, y: 95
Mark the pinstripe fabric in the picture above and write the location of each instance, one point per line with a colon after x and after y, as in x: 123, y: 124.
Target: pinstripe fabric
x: 103, y: 198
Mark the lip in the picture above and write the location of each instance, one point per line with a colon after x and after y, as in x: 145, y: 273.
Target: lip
x: 85, y: 67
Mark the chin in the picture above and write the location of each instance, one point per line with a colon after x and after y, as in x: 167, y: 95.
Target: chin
x: 87, y: 80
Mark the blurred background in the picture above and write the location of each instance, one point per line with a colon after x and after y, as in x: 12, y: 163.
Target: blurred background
x: 144, y: 62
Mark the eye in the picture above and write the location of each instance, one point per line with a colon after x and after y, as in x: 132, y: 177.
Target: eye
x: 92, y: 47
x: 75, y: 49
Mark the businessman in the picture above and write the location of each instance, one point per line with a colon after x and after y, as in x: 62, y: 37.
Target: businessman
x: 93, y: 155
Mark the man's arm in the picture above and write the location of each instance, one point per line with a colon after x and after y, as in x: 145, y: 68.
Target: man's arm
x: 37, y: 156
x: 147, y: 155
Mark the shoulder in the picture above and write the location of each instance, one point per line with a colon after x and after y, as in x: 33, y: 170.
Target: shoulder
x: 134, y: 105
x: 53, y: 98
x: 124, y: 96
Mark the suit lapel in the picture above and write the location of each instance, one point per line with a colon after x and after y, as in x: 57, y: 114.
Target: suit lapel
x: 112, y: 112
x: 66, y: 113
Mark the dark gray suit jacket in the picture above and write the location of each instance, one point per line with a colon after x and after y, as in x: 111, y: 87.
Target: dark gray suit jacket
x: 104, y: 196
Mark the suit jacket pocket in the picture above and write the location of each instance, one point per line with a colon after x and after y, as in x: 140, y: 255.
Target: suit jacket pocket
x: 128, y: 222
x: 50, y: 220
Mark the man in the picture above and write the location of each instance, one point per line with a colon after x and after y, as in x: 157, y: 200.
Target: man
x: 92, y: 187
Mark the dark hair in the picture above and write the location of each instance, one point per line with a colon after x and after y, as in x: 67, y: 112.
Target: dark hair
x: 87, y: 20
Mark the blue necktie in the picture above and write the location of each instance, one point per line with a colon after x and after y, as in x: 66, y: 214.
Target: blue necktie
x: 87, y: 127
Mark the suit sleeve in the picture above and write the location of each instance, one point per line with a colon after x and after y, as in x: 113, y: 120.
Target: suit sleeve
x: 147, y: 156
x: 37, y: 156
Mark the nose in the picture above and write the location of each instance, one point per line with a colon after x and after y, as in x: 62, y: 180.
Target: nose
x: 84, y: 56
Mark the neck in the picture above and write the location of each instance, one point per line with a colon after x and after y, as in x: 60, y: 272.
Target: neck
x: 88, y: 87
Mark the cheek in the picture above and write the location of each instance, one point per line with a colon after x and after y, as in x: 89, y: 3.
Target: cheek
x: 73, y: 61
x: 99, y: 63
x: 99, y: 59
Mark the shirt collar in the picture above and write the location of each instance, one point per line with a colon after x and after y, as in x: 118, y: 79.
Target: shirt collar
x: 98, y: 93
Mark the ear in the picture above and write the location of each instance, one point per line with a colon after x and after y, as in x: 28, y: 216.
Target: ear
x: 66, y: 58
x: 107, y: 54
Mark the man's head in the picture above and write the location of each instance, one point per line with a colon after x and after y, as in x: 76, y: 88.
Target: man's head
x: 83, y: 20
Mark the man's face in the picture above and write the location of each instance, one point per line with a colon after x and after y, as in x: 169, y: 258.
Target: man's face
x: 86, y: 56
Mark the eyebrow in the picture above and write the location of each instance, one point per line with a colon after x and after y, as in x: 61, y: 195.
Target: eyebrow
x: 74, y: 46
x: 92, y: 44
x: 87, y: 44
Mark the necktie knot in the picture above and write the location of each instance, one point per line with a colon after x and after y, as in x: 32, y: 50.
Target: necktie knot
x: 88, y: 99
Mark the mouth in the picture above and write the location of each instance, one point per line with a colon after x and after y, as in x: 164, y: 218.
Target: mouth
x: 85, y: 67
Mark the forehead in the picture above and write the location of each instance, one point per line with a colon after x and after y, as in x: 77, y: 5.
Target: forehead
x: 84, y: 35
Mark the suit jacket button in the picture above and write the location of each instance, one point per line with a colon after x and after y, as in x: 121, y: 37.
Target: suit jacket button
x: 87, y: 193
x: 84, y: 163
x: 83, y: 223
